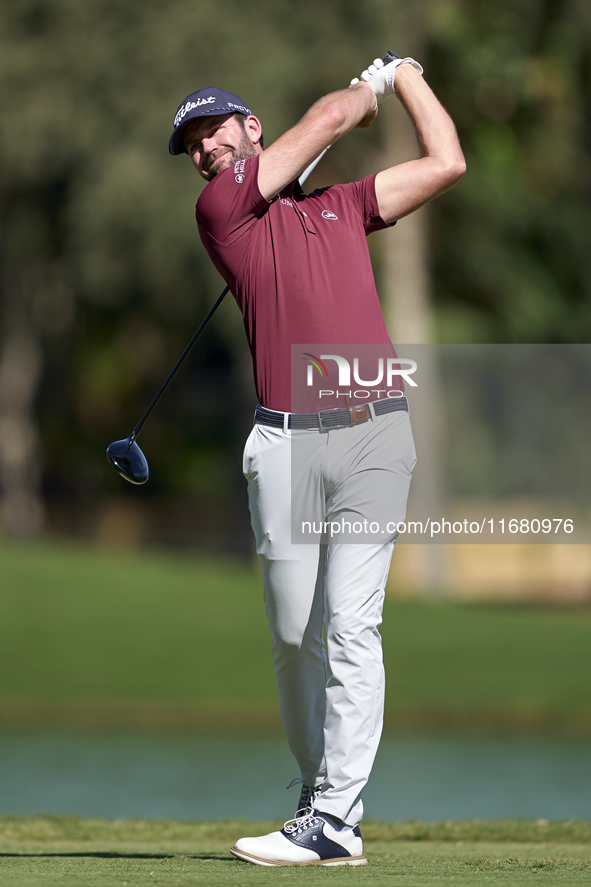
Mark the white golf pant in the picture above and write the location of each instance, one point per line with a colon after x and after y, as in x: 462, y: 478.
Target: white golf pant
x: 331, y: 693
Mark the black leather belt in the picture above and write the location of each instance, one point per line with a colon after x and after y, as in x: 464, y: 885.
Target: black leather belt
x: 325, y: 420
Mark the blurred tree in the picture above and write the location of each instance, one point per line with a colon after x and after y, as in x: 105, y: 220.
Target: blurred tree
x: 511, y: 243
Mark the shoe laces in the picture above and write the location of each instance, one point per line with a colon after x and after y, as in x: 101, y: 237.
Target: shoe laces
x: 301, y: 823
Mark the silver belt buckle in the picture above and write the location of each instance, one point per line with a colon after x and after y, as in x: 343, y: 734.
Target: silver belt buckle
x: 322, y: 427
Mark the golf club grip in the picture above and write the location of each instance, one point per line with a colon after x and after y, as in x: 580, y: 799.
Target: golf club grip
x: 312, y: 166
x: 194, y: 338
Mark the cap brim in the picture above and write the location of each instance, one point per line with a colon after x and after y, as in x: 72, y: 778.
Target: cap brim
x: 176, y: 144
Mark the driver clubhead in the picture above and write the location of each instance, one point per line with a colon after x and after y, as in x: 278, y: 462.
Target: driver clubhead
x: 129, y: 461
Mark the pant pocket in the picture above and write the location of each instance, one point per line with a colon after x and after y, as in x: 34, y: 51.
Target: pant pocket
x: 247, y: 454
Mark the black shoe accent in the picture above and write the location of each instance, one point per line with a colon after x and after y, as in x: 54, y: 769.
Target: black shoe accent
x: 307, y: 798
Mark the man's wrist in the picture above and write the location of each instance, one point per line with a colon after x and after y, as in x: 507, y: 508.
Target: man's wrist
x: 372, y: 100
x: 407, y: 79
x: 406, y: 72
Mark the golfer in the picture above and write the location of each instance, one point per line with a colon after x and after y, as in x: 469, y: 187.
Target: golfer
x: 299, y: 268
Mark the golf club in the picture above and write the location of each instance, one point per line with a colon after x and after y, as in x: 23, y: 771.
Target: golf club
x: 125, y: 455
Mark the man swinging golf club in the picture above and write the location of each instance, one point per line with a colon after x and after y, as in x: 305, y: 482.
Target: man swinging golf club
x: 299, y: 269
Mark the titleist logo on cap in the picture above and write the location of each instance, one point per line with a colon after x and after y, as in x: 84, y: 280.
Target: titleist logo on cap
x: 184, y: 109
x: 190, y: 105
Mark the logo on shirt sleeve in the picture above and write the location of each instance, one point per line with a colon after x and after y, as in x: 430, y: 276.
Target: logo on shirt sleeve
x: 326, y: 214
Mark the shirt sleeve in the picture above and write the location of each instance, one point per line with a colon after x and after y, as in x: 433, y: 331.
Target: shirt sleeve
x: 364, y: 194
x: 231, y: 202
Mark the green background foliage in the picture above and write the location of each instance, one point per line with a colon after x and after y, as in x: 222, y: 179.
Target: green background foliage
x: 99, y: 250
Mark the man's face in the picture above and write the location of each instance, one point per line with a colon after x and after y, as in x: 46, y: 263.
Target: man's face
x: 218, y: 142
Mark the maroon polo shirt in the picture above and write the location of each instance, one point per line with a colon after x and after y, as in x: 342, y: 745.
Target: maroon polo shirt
x: 298, y: 267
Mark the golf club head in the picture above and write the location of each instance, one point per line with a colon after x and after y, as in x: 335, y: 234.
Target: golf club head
x: 129, y: 460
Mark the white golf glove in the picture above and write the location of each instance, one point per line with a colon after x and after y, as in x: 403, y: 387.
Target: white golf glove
x: 381, y: 77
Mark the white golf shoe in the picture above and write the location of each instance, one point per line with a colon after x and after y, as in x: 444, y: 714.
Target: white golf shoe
x: 307, y: 840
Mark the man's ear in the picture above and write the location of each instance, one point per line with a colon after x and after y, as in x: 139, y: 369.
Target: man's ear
x: 253, y: 127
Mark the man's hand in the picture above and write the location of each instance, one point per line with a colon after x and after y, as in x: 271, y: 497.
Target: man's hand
x: 381, y: 77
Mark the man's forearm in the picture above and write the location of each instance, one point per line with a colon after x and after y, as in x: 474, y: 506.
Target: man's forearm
x: 345, y: 109
x: 330, y: 118
x: 435, y: 130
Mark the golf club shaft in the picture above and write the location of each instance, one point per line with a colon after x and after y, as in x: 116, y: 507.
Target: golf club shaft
x: 312, y: 166
x: 194, y: 338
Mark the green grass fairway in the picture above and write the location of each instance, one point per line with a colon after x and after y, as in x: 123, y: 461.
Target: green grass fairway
x: 96, y: 636
x: 66, y: 850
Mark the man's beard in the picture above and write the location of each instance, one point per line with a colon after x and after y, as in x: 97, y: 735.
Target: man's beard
x: 245, y: 149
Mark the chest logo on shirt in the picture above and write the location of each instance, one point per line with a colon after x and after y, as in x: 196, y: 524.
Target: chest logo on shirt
x: 326, y: 214
x: 239, y: 170
x: 239, y: 178
x: 286, y: 202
